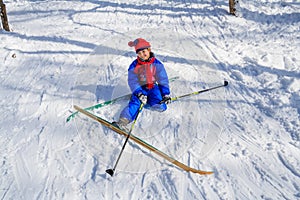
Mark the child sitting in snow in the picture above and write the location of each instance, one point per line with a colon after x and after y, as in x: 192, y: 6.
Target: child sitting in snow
x: 148, y: 81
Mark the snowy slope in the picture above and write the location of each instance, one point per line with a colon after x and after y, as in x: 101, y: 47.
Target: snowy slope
x: 75, y: 52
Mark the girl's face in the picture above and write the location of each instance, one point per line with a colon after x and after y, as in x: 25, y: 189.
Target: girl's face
x: 144, y: 54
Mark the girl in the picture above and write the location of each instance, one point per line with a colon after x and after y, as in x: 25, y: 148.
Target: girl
x: 148, y: 81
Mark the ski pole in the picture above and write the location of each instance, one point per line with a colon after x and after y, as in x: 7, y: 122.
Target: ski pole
x: 111, y: 171
x: 197, y: 92
x: 112, y: 101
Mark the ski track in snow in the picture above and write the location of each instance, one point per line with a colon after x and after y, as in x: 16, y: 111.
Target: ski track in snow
x: 76, y: 53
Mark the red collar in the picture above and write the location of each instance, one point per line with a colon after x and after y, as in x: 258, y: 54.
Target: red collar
x: 149, y: 61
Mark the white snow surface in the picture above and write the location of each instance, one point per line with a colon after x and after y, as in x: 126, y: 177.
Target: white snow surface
x: 64, y: 53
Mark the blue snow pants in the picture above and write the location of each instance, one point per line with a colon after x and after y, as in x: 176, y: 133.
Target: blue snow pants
x: 153, y: 102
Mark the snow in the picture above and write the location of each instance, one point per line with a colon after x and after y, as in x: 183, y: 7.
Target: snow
x: 65, y: 53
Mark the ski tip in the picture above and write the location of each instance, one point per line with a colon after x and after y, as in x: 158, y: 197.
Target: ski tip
x: 208, y: 173
x: 203, y: 172
x: 69, y: 118
x: 225, y: 83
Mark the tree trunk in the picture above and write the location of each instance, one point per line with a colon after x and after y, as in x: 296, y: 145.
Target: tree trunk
x: 4, y: 16
x: 232, y: 8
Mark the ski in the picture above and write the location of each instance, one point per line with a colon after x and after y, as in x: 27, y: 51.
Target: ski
x: 141, y: 142
x: 109, y: 102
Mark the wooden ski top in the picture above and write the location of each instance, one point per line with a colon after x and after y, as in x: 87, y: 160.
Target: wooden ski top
x: 142, y: 143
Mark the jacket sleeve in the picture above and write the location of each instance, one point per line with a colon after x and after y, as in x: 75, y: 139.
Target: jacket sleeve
x: 162, y: 78
x: 133, y: 80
